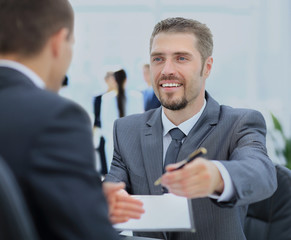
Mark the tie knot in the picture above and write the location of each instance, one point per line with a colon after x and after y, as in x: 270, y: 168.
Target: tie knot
x: 177, y: 134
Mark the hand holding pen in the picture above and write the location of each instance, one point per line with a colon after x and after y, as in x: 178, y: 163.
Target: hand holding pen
x: 197, y: 153
x: 193, y: 179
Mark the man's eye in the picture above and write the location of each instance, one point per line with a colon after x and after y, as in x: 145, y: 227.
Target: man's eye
x: 157, y: 59
x: 181, y: 58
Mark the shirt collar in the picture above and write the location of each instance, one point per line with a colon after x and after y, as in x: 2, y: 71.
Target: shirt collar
x: 24, y: 70
x: 186, y: 126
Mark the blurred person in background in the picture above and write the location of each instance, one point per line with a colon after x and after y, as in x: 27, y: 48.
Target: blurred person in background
x: 99, y: 140
x: 117, y: 104
x: 149, y: 96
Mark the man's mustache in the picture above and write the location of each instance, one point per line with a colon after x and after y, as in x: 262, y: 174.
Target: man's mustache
x: 169, y: 77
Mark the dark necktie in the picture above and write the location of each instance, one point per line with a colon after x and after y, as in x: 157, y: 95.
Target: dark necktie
x: 174, y: 147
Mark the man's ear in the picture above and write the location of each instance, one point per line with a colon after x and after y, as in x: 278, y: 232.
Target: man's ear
x: 208, y: 66
x: 58, y: 40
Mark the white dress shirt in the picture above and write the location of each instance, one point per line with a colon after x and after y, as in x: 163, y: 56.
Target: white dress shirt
x: 24, y: 70
x: 185, y: 127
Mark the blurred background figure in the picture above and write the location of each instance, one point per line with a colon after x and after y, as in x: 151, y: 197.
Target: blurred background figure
x: 116, y: 104
x: 99, y: 140
x: 150, y: 99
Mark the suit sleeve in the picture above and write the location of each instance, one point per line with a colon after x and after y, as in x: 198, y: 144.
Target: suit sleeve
x: 118, y: 170
x: 66, y: 188
x: 252, y: 172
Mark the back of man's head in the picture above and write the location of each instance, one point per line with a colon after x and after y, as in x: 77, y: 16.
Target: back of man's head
x: 26, y: 25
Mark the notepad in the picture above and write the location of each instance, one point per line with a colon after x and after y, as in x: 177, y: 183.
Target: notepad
x: 166, y: 212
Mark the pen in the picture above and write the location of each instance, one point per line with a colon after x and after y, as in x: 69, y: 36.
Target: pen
x: 197, y: 153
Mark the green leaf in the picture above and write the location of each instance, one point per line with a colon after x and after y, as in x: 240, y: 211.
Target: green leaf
x: 277, y: 124
x: 287, y: 151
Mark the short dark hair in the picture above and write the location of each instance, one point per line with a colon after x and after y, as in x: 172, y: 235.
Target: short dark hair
x: 183, y: 25
x: 26, y: 25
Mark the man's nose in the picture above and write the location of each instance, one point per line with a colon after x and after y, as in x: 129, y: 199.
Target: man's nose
x: 168, y: 68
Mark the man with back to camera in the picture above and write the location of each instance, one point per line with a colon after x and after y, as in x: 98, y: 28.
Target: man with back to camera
x: 236, y: 170
x: 45, y: 139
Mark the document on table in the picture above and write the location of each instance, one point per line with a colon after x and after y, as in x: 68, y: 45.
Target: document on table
x: 166, y: 212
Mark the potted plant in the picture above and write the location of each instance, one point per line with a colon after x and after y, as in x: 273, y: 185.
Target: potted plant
x: 285, y: 149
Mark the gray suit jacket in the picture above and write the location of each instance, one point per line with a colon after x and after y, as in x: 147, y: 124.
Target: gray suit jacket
x: 235, y: 137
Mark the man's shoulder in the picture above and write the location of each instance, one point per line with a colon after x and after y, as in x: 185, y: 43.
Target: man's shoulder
x: 53, y: 99
x: 140, y: 118
x: 228, y: 110
x: 241, y: 115
x: 43, y: 104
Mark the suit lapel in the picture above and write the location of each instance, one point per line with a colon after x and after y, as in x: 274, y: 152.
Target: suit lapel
x: 201, y: 129
x: 152, y: 150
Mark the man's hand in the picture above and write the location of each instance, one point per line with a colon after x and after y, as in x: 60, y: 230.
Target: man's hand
x: 197, y: 179
x: 122, y: 206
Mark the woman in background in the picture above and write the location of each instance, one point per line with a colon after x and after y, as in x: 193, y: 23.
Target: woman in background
x: 116, y: 104
x: 99, y: 140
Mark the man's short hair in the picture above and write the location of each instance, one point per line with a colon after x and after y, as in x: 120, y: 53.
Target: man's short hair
x: 183, y: 25
x: 26, y: 25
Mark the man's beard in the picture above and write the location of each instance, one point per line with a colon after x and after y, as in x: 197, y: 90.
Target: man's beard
x: 174, y: 105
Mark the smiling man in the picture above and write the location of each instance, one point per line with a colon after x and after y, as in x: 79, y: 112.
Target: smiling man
x: 236, y: 170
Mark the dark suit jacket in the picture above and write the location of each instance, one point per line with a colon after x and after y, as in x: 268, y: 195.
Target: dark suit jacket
x: 47, y: 142
x: 97, y: 123
x: 236, y: 137
x: 97, y: 110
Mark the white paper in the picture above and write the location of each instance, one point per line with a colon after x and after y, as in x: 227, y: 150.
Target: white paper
x: 166, y: 212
